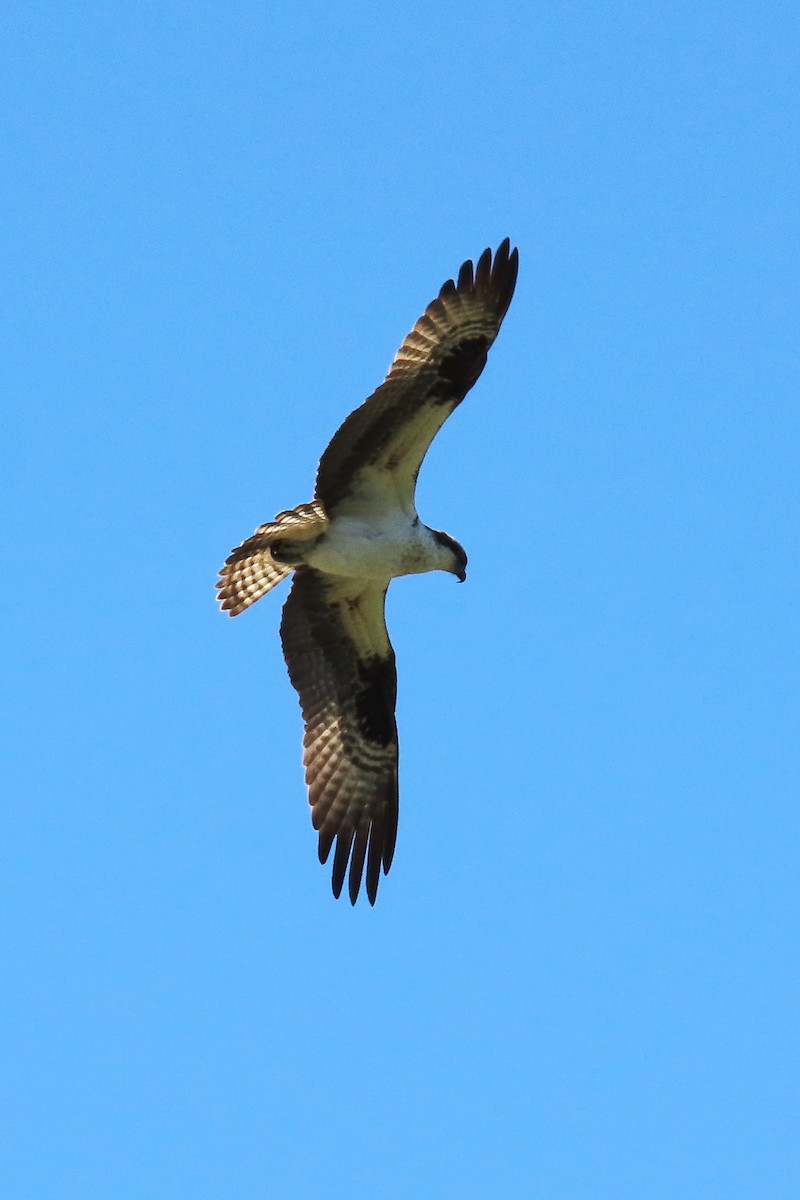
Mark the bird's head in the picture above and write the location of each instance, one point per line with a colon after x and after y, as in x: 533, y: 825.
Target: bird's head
x: 457, y: 555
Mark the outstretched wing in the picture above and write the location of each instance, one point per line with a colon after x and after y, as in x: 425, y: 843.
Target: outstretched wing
x: 341, y: 663
x: 374, y: 457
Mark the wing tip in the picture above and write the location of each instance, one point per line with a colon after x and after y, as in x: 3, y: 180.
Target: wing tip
x: 361, y: 854
x: 494, y: 271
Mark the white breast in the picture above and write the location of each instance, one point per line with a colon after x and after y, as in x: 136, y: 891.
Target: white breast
x: 392, y: 545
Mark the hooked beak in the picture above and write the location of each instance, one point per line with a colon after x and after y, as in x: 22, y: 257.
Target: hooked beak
x: 461, y: 576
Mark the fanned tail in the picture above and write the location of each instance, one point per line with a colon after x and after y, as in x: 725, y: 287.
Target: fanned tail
x: 251, y: 570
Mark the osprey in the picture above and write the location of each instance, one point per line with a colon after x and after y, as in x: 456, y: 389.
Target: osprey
x: 358, y: 533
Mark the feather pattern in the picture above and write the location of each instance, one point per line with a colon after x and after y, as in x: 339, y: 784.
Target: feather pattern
x: 360, y: 531
x: 341, y: 664
x: 250, y: 570
x: 374, y: 457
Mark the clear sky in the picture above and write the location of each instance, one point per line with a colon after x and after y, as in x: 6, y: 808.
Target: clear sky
x: 580, y: 979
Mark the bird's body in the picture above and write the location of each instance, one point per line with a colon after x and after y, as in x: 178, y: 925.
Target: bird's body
x: 381, y: 549
x: 360, y: 532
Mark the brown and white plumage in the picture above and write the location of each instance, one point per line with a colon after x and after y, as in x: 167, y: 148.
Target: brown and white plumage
x: 250, y: 570
x: 342, y: 664
x: 438, y: 362
x: 359, y: 532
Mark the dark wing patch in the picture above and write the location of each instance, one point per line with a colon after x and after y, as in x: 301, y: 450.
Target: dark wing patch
x: 341, y: 663
x: 375, y: 455
x: 460, y: 368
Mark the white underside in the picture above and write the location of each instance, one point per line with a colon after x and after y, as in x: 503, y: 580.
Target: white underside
x: 378, y: 549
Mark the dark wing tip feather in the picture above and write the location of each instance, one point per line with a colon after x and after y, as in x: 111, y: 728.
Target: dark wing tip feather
x: 344, y: 841
x: 374, y: 858
x: 389, y: 842
x: 465, y: 278
x: 357, y: 859
x: 326, y: 837
x: 483, y: 270
x: 504, y: 273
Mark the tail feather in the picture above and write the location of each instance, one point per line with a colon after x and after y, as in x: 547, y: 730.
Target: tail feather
x: 250, y: 571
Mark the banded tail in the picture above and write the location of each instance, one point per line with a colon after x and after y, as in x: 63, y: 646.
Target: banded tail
x: 251, y: 570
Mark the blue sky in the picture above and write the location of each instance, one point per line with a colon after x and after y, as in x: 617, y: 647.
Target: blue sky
x: 580, y: 979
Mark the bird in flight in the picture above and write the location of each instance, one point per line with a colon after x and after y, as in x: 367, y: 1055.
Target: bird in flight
x: 359, y: 532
